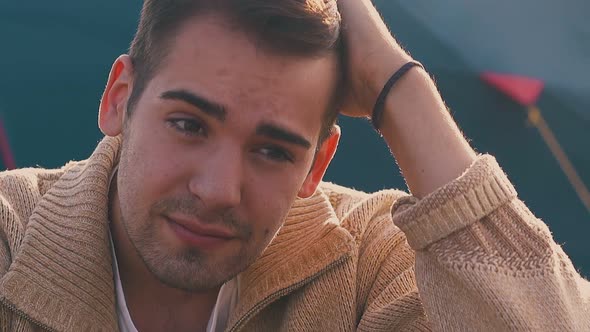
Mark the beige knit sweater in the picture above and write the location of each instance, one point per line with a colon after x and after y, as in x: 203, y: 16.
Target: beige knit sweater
x: 469, y: 257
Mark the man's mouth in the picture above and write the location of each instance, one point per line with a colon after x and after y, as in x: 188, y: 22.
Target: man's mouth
x: 195, y: 233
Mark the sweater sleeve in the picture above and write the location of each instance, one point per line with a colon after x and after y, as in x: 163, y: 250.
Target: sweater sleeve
x: 484, y: 262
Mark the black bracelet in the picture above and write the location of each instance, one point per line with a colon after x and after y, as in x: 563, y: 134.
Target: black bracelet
x: 379, y: 104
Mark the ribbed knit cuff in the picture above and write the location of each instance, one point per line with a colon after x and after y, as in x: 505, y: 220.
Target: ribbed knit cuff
x: 481, y: 189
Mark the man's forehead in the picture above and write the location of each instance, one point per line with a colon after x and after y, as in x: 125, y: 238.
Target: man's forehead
x: 208, y: 48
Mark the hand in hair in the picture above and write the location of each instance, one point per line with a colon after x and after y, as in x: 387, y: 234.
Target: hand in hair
x: 372, y: 55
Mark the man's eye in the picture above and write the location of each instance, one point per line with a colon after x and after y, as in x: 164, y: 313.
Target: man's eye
x: 275, y: 153
x: 189, y: 127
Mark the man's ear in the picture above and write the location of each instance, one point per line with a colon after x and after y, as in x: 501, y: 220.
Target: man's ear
x: 113, y: 104
x: 320, y: 165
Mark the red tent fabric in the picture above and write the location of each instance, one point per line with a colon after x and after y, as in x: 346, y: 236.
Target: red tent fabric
x: 5, y: 151
x: 523, y: 90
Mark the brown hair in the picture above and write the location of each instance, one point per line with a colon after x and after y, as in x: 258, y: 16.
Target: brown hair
x: 298, y: 27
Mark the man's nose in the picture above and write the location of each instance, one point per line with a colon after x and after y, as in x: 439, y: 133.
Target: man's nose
x: 217, y: 180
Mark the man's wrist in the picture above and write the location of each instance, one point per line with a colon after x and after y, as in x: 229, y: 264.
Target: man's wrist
x: 416, y: 83
x: 382, y: 70
x: 377, y: 113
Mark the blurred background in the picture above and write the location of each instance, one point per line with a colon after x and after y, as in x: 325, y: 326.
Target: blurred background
x: 514, y: 75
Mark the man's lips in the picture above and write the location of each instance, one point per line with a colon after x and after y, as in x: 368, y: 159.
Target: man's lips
x: 198, y: 234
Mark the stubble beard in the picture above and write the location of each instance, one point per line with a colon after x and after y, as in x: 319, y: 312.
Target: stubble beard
x: 191, y: 269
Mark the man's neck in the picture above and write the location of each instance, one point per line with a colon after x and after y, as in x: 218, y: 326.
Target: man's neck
x: 152, y: 305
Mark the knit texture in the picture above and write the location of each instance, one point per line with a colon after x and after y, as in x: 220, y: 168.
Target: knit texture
x: 469, y: 257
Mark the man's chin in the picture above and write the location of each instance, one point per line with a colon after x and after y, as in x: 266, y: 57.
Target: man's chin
x: 190, y: 272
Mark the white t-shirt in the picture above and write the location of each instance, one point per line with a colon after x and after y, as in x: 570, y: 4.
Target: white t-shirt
x: 226, y: 300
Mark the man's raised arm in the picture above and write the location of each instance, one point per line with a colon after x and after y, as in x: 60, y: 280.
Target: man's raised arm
x: 483, y: 261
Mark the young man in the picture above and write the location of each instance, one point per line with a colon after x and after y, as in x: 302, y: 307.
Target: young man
x: 203, y: 208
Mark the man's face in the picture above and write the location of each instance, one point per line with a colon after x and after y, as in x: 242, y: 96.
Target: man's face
x: 215, y: 152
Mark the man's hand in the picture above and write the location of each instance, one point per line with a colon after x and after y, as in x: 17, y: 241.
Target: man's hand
x: 372, y: 55
x: 429, y: 148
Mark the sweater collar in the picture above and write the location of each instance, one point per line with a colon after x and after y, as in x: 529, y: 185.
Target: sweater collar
x: 62, y: 276
x: 310, y: 243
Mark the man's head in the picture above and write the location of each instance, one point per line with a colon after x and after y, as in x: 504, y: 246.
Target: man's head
x: 220, y: 106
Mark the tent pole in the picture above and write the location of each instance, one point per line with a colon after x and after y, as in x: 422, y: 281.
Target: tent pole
x: 535, y: 117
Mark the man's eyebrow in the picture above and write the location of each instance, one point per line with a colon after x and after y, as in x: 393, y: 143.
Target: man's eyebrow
x: 211, y: 108
x: 279, y: 133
